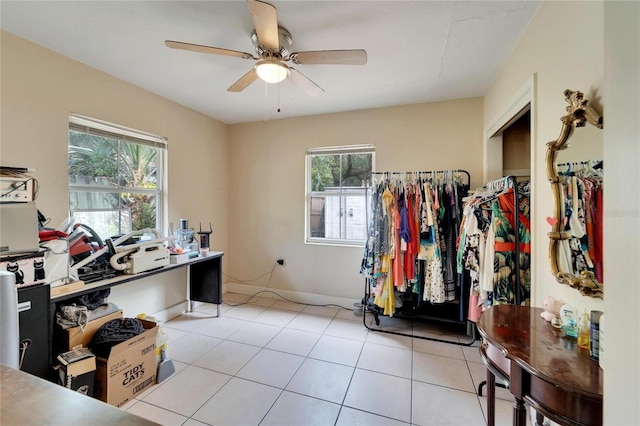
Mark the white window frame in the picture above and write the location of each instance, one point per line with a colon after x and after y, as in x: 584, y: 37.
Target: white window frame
x: 80, y: 123
x: 363, y: 191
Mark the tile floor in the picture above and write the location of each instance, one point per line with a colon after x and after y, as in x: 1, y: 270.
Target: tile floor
x: 272, y: 362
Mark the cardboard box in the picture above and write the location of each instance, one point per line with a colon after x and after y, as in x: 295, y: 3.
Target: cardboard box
x: 77, y: 370
x: 130, y: 369
x: 74, y: 337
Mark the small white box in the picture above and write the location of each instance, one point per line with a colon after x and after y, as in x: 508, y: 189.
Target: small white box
x: 179, y: 258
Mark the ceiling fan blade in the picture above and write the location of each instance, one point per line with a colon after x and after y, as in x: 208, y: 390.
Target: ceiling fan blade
x: 338, y: 57
x: 207, y: 49
x: 265, y: 22
x: 244, y: 81
x: 305, y: 83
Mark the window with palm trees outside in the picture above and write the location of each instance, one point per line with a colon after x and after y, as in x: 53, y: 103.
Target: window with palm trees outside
x: 337, y: 196
x: 115, y: 177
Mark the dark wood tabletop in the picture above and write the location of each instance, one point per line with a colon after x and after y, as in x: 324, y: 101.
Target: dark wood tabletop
x: 545, y: 360
x: 29, y: 400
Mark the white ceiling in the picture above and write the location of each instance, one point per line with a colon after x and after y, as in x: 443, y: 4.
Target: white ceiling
x: 418, y: 51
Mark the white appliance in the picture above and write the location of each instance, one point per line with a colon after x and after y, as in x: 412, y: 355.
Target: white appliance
x: 18, y: 228
x: 9, y: 326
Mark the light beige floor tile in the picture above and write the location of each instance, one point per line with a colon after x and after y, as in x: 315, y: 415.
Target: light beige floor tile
x: 436, y: 336
x: 174, y: 334
x: 278, y: 317
x: 239, y: 402
x: 323, y: 380
x: 326, y: 311
x: 312, y: 323
x: 349, y: 417
x: 191, y: 321
x: 288, y: 306
x: 380, y: 394
x: 436, y: 405
x: 191, y: 347
x: 479, y: 374
x: 157, y: 414
x: 271, y: 368
x: 438, y: 348
x: 228, y: 357
x: 347, y: 314
x: 295, y: 410
x: 292, y: 341
x: 472, y: 353
x: 504, y: 412
x: 338, y: 350
x: 386, y: 359
x: 222, y: 328
x: 245, y: 312
x: 185, y: 392
x: 443, y: 371
x: 192, y: 422
x: 347, y: 329
x: 387, y: 339
x: 255, y: 334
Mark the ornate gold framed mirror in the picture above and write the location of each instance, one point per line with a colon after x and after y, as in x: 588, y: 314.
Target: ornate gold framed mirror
x: 575, y: 240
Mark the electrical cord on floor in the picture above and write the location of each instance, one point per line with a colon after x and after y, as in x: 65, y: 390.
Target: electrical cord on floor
x: 265, y: 290
x: 23, y: 351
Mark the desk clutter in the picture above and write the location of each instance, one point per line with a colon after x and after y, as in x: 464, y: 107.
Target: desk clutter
x: 105, y: 355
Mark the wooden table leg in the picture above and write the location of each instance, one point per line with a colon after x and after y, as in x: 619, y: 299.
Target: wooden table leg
x: 519, y: 412
x: 491, y: 398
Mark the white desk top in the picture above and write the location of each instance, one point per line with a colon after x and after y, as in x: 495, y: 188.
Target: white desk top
x: 121, y: 279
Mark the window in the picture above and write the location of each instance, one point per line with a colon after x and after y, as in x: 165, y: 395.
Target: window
x: 336, y: 203
x: 115, y: 177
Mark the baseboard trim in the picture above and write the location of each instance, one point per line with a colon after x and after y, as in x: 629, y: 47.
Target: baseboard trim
x: 294, y: 296
x: 171, y: 312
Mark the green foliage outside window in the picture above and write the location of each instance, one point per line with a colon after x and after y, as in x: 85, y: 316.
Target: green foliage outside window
x: 120, y: 165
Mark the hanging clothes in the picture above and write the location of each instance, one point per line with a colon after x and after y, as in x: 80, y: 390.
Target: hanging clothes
x: 487, y: 245
x: 581, y: 189
x: 411, y: 247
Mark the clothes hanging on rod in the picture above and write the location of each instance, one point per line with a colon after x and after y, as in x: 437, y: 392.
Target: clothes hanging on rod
x: 581, y: 205
x: 496, y: 256
x: 414, y: 224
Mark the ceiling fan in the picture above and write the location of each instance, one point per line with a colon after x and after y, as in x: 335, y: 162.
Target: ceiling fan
x: 272, y: 43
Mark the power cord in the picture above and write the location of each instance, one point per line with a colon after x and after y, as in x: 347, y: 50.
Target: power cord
x: 23, y: 351
x: 270, y: 273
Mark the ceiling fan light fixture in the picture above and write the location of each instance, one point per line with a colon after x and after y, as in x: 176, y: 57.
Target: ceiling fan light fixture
x: 271, y: 70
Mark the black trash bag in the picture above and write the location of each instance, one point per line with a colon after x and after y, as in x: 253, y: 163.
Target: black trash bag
x: 113, y: 333
x: 92, y: 300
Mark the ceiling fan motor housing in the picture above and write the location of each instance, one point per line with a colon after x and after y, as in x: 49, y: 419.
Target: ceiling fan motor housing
x: 284, y: 39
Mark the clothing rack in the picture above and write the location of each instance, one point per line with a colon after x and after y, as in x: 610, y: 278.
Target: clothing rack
x: 463, y: 302
x: 501, y: 184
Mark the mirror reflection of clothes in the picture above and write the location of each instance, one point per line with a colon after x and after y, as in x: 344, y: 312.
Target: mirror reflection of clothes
x: 581, y: 220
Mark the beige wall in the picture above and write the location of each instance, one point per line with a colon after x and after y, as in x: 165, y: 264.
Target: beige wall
x: 565, y: 47
x: 543, y: 51
x: 41, y: 88
x: 267, y: 184
x: 622, y: 212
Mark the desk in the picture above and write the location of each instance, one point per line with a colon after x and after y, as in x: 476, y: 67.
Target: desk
x: 204, y: 276
x: 548, y: 371
x: 27, y: 399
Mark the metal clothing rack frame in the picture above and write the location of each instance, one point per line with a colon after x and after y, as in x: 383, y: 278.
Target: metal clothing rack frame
x: 374, y: 309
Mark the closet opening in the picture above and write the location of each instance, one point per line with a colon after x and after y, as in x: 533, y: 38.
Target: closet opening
x: 516, y: 148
